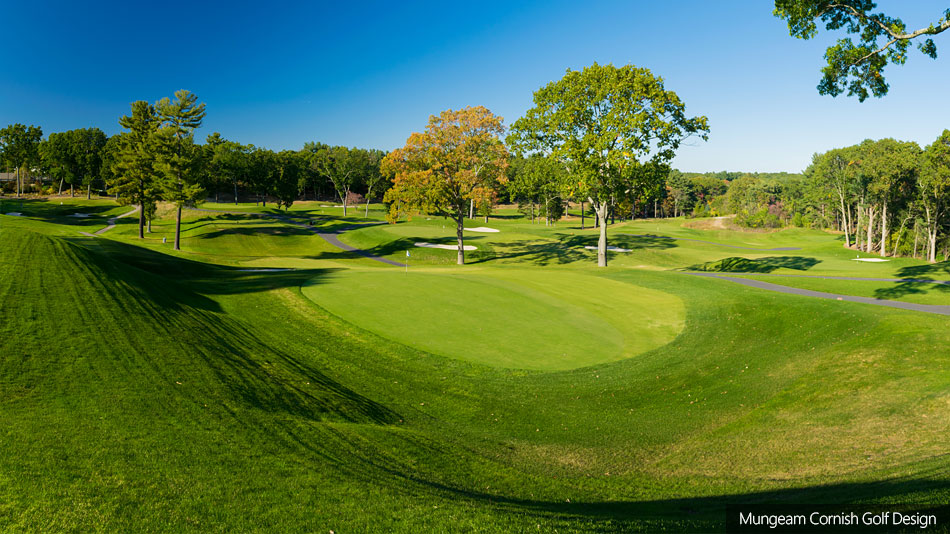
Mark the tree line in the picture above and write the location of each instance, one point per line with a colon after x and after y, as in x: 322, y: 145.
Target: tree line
x: 600, y: 138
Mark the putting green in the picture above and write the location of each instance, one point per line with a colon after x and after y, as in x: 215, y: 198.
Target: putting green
x: 549, y: 320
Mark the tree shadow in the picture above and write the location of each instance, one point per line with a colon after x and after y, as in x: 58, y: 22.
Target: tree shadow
x: 569, y: 248
x: 171, y: 281
x: 918, y: 280
x: 736, y: 264
x: 48, y: 210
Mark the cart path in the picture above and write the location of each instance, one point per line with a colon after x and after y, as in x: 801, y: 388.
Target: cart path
x: 853, y: 278
x: 329, y: 237
x: 926, y: 308
x: 111, y: 223
x: 778, y: 249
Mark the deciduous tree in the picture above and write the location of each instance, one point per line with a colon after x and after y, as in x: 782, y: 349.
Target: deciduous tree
x: 20, y: 146
x: 935, y: 189
x: 605, y: 123
x: 441, y: 170
x: 857, y: 67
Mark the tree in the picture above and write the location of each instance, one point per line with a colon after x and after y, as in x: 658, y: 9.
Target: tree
x: 289, y: 165
x: 857, y: 67
x: 134, y: 181
x: 342, y: 166
x: 227, y: 161
x: 892, y: 169
x: 178, y: 158
x: 439, y: 171
x: 88, y: 144
x: 541, y: 182
x: 935, y: 188
x: 374, y: 179
x: 58, y: 157
x: 604, y: 123
x: 834, y: 169
x: 20, y: 146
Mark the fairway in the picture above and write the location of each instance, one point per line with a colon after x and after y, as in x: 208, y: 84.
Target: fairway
x: 514, y: 318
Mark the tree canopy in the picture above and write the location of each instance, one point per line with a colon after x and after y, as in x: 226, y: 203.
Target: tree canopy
x: 857, y: 67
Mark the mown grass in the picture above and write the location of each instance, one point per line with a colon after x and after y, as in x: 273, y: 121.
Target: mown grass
x: 145, y: 390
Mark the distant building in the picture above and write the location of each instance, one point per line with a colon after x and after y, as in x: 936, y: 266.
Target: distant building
x: 7, y: 176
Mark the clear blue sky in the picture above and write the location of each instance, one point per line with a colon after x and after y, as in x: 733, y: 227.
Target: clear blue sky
x: 279, y: 74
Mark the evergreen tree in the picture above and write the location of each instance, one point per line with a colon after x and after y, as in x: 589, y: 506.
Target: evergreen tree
x: 178, y: 159
x: 133, y: 180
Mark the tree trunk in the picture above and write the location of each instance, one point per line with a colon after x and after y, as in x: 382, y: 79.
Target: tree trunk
x: 71, y: 195
x: 471, y: 208
x: 844, y: 224
x: 18, y: 182
x: 582, y: 215
x: 235, y: 192
x: 916, y: 236
x: 178, y: 229
x: 459, y: 229
x: 366, y: 213
x: 870, y: 239
x: 89, y: 191
x: 602, y: 242
x: 141, y: 221
x: 883, y: 228
x: 61, y: 187
x: 933, y: 245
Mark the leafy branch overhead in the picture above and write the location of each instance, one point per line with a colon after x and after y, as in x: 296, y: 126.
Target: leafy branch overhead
x: 857, y: 67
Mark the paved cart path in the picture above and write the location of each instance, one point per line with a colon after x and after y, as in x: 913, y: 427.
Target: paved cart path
x: 926, y: 308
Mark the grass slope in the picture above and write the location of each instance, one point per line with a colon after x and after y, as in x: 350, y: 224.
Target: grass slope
x: 144, y: 390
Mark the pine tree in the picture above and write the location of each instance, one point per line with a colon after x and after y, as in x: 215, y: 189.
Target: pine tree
x: 133, y: 179
x: 179, y: 158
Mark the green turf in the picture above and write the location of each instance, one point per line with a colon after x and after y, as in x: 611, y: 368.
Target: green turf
x: 508, y: 318
x: 146, y: 390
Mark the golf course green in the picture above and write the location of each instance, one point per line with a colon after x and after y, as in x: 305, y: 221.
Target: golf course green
x: 263, y: 378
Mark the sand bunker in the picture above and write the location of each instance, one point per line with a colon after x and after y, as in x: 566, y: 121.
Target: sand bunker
x: 610, y: 248
x: 872, y: 260
x: 481, y: 229
x: 445, y: 247
x: 14, y: 214
x: 79, y: 215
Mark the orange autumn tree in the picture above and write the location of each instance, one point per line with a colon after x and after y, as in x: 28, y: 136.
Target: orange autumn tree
x: 458, y: 158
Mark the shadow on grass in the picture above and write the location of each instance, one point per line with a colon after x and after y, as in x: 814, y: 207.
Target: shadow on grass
x: 768, y: 264
x: 919, y: 280
x: 49, y: 210
x: 569, y: 248
x: 694, y: 514
x: 167, y: 299
x: 171, y: 281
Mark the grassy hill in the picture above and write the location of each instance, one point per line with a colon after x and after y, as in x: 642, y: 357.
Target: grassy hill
x: 146, y: 390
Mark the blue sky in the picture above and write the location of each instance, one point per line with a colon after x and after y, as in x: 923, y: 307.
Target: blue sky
x: 278, y: 74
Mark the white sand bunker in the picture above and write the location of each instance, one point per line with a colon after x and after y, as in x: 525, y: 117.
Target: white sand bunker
x: 481, y: 229
x: 445, y: 247
x: 610, y: 248
x: 871, y: 260
x: 14, y: 214
x: 79, y: 215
